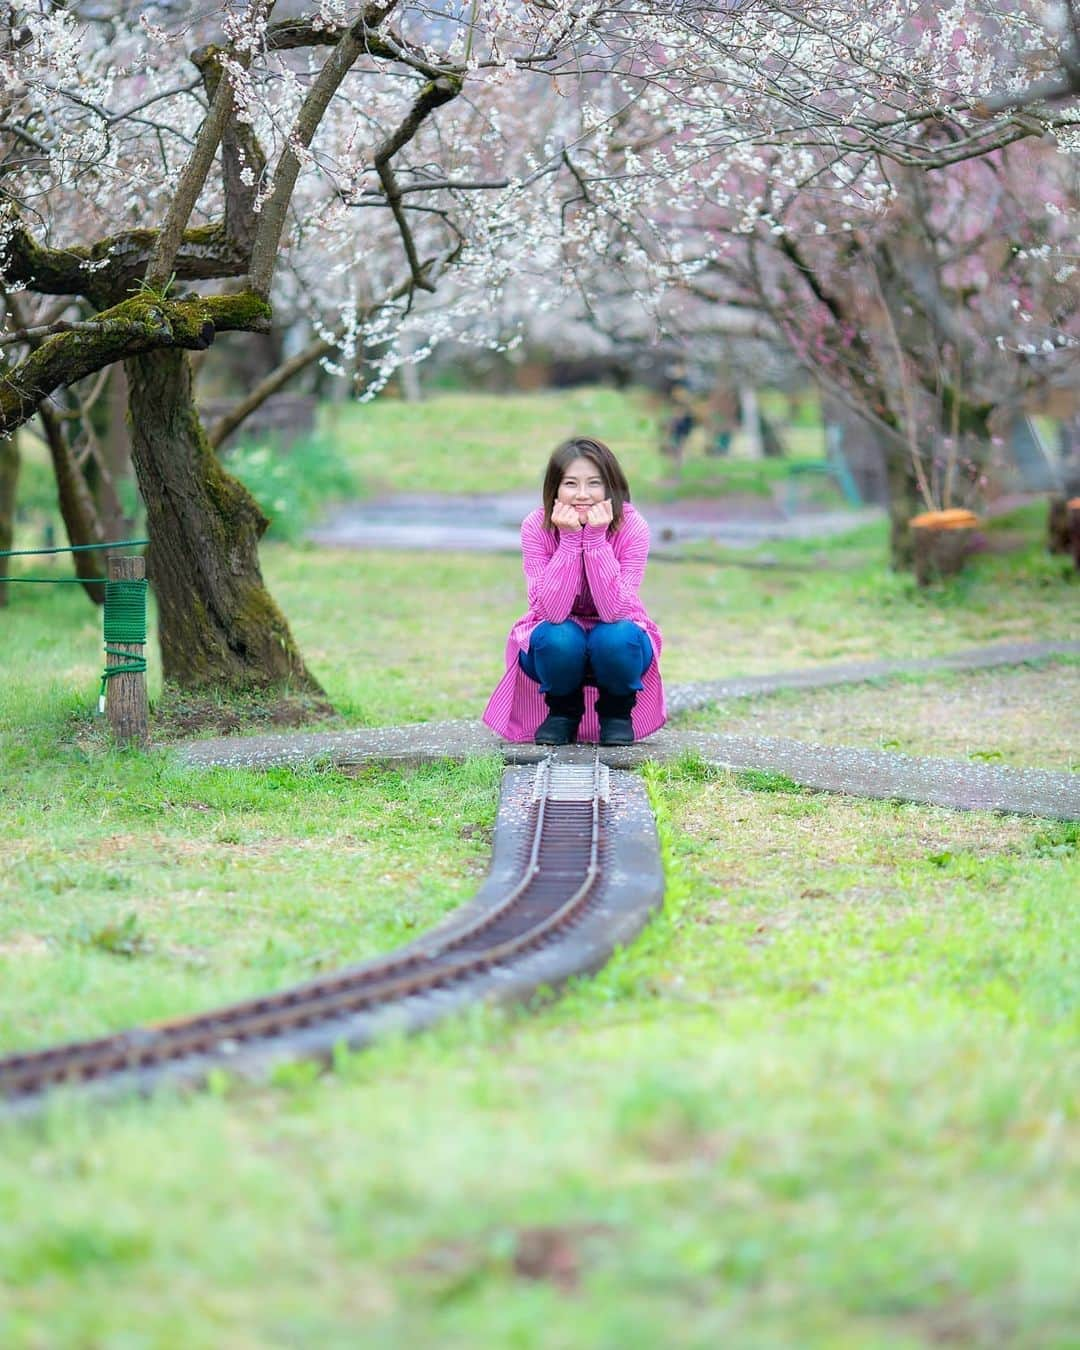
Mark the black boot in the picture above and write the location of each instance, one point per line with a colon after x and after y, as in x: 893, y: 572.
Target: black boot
x: 614, y: 712
x: 560, y: 726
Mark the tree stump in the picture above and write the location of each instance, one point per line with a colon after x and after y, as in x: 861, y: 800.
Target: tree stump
x: 942, y: 540
x: 1057, y: 525
x: 125, y: 695
x: 1072, y: 508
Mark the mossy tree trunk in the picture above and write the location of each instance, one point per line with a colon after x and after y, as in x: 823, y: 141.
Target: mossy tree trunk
x: 9, y: 474
x: 217, y: 622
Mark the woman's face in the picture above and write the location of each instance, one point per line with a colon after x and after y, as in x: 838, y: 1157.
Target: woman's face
x: 582, y: 486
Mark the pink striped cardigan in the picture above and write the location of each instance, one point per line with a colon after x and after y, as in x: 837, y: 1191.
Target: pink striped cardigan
x: 587, y: 575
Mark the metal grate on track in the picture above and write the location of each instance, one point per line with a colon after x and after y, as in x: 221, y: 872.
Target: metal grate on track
x: 571, y: 782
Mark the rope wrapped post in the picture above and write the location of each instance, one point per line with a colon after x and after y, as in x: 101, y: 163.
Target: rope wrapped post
x: 124, y: 681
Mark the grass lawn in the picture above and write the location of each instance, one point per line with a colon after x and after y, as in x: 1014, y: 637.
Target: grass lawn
x: 1024, y: 717
x: 717, y: 618
x: 461, y: 443
x: 828, y: 1099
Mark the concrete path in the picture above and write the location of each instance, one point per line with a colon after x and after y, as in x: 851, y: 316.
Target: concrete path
x: 492, y: 523
x: 700, y: 694
x: 858, y: 772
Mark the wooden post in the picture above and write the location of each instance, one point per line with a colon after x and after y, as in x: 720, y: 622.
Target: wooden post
x: 125, y: 695
x: 752, y: 447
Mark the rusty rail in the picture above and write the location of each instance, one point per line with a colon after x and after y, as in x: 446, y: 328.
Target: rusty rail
x: 560, y: 872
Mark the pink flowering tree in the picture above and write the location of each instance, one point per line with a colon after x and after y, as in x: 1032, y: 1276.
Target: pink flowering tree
x: 906, y: 224
x: 938, y: 320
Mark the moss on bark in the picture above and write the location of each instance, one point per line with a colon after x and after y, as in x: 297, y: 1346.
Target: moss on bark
x: 105, y: 271
x: 142, y: 323
x: 219, y: 627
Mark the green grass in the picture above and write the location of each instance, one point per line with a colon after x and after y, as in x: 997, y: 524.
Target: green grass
x: 1025, y: 716
x: 828, y: 1099
x: 294, y: 486
x: 463, y: 443
x: 368, y: 628
x: 131, y: 889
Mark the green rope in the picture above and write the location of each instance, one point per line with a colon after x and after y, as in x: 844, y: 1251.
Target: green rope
x: 125, y: 606
x: 125, y: 611
x: 69, y: 548
x: 125, y: 621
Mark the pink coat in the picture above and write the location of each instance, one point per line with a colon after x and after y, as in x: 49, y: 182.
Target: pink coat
x: 589, y: 576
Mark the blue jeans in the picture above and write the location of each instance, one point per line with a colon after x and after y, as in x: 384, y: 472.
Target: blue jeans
x: 563, y: 656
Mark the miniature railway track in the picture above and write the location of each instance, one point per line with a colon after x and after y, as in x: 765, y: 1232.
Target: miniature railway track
x: 561, y: 872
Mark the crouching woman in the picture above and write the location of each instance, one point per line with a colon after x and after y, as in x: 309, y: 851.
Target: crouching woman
x: 584, y: 661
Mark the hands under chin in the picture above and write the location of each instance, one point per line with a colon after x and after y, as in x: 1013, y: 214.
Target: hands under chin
x: 600, y: 513
x: 565, y: 517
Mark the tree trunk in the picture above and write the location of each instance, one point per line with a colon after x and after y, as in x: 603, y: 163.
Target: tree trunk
x: 9, y: 474
x: 77, y: 509
x: 218, y: 625
x: 904, y: 502
x: 408, y: 372
x: 117, y: 443
x: 942, y: 541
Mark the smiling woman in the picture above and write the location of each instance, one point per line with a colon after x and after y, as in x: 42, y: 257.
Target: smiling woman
x: 587, y: 648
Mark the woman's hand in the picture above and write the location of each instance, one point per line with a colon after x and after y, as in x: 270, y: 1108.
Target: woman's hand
x: 565, y: 517
x: 600, y: 513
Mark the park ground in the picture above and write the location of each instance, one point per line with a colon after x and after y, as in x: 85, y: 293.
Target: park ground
x: 828, y: 1098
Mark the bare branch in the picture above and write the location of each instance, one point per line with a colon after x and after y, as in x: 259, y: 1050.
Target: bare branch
x: 47, y: 329
x: 350, y: 46
x: 432, y: 96
x: 228, y: 422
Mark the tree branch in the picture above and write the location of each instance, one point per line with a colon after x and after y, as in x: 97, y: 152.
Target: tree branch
x: 350, y: 47
x: 227, y: 424
x: 243, y: 164
x: 432, y: 96
x: 192, y: 180
x: 104, y: 272
x: 44, y: 330
x: 141, y: 324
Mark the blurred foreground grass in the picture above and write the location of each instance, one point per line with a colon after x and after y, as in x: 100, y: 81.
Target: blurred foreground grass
x: 827, y: 1099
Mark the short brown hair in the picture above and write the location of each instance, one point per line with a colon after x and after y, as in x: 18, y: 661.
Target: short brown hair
x: 616, y: 488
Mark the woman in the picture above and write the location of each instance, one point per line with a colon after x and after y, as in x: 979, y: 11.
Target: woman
x: 586, y: 654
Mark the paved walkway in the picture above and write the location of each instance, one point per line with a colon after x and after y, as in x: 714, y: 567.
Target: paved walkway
x: 492, y: 523
x: 700, y: 694
x: 859, y: 772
